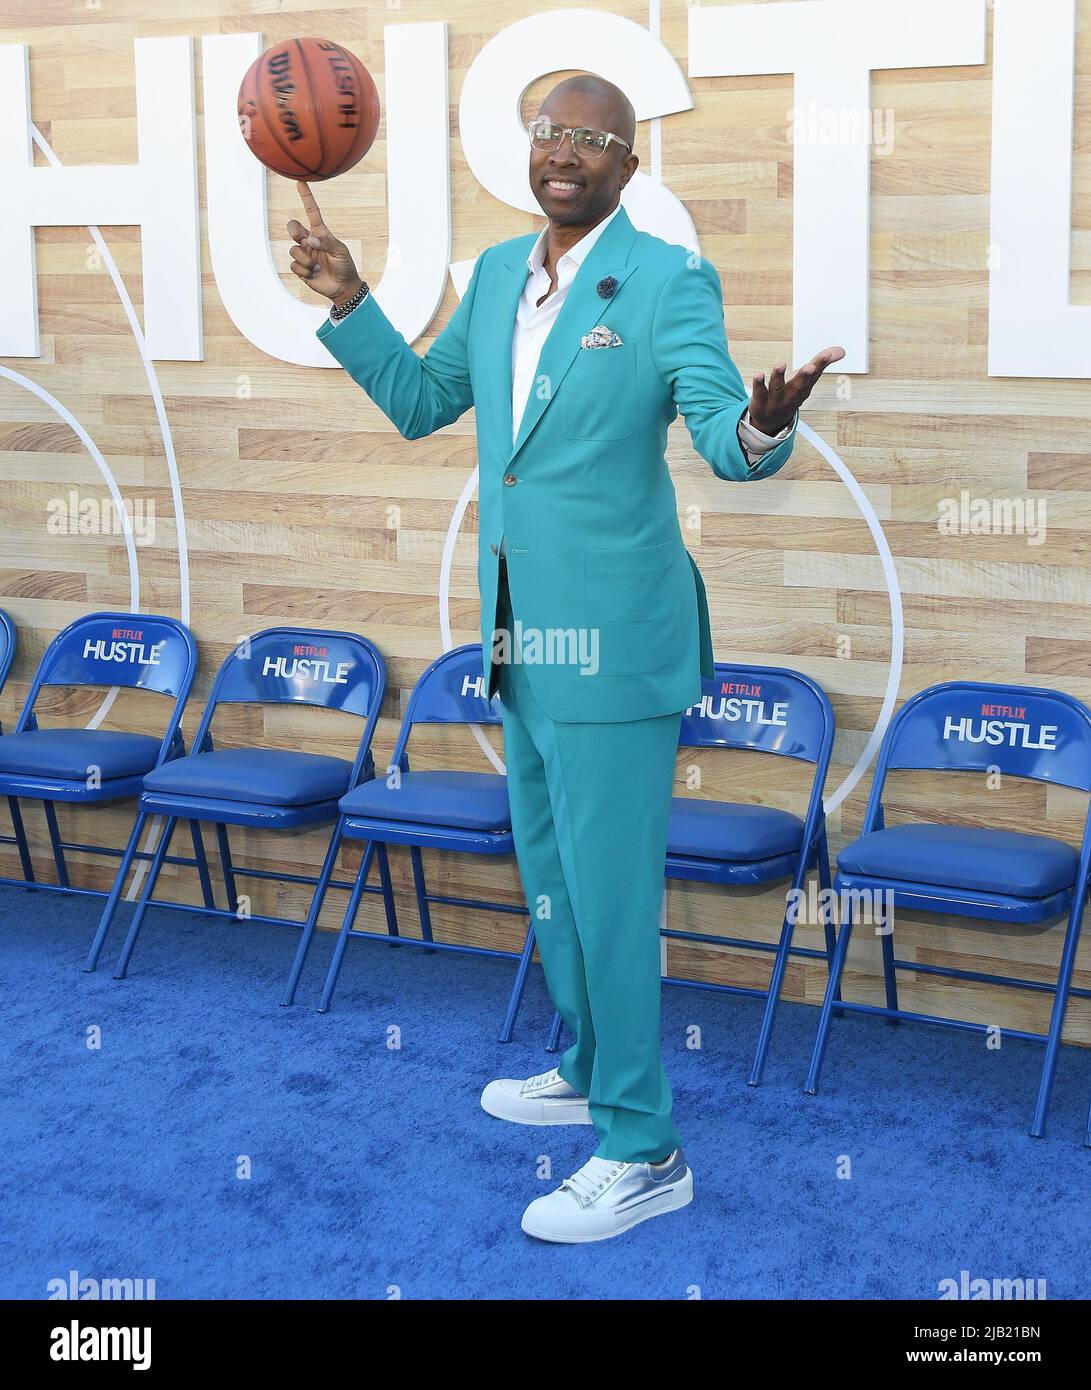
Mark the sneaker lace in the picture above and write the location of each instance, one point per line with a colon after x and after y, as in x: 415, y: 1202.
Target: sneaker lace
x: 594, y: 1177
x: 535, y: 1083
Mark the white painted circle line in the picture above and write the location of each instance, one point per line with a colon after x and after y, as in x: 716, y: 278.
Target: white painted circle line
x: 100, y: 463
x: 153, y: 386
x: 172, y: 471
x: 897, y: 622
x: 886, y: 559
x: 115, y: 493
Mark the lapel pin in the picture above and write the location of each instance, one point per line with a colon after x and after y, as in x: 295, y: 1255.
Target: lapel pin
x: 606, y: 287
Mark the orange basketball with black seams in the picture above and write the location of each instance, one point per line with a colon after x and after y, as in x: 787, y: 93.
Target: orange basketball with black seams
x: 308, y: 109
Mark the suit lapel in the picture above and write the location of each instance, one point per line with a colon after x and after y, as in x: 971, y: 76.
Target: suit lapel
x: 583, y: 308
x: 498, y: 372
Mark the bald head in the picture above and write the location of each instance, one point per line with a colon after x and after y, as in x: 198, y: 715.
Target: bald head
x: 616, y: 112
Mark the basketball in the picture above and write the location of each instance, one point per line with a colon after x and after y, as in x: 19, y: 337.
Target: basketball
x: 308, y: 109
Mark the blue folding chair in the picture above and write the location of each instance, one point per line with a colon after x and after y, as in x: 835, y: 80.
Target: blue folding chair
x: 463, y: 812
x: 765, y: 709
x: 956, y: 870
x: 94, y: 766
x: 7, y: 655
x: 7, y: 646
x: 265, y: 788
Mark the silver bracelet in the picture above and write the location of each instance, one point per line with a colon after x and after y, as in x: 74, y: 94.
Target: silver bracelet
x: 358, y: 298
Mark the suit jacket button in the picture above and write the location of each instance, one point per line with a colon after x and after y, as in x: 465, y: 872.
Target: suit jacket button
x: 494, y: 549
x: 510, y: 479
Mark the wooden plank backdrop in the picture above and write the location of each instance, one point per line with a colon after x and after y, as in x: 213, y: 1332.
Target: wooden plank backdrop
x: 288, y: 475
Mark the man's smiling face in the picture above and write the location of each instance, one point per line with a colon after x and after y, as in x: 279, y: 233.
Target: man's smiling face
x: 573, y: 188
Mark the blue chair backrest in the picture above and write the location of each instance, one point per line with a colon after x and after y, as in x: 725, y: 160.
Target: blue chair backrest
x: 768, y: 709
x: 971, y: 726
x: 451, y: 691
x: 139, y: 651
x: 302, y: 666
x: 7, y: 646
x: 142, y: 651
x: 306, y: 666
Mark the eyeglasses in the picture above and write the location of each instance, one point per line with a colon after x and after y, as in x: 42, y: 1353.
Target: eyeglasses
x: 546, y: 135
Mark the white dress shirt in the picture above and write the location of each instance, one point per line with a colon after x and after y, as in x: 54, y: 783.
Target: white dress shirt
x: 533, y: 321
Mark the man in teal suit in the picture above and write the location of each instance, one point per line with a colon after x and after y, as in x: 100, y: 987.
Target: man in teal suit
x: 578, y: 346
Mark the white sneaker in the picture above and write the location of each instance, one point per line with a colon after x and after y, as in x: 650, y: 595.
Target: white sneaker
x: 605, y: 1198
x: 540, y: 1100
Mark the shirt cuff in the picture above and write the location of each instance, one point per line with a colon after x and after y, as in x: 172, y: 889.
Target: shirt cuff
x: 756, y: 444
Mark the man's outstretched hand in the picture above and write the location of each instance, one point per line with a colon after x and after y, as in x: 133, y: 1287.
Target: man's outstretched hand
x: 773, y: 404
x: 318, y: 258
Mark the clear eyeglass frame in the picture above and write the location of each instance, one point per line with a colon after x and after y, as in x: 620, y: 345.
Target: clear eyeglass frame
x: 590, y: 141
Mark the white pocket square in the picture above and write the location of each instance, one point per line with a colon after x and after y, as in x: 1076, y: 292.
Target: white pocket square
x: 601, y: 337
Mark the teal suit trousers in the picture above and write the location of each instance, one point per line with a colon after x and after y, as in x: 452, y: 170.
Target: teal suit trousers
x: 589, y: 809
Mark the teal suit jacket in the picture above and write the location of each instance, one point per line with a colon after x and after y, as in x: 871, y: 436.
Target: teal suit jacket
x: 589, y: 518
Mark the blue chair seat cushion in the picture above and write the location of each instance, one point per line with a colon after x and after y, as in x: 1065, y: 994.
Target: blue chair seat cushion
x: 731, y: 831
x: 965, y: 857
x: 71, y: 754
x: 463, y: 800
x: 267, y: 776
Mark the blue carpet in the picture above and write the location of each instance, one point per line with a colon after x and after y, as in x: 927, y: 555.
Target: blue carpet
x: 373, y: 1168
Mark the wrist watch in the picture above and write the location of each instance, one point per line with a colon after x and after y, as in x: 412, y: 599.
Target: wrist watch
x: 358, y: 298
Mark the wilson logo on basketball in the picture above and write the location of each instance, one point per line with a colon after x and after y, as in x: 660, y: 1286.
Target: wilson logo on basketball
x: 282, y: 85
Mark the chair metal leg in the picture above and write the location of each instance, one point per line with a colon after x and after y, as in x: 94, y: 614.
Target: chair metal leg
x: 202, y: 864
x: 228, y: 869
x: 772, y: 998
x: 832, y: 992
x: 388, y: 890
x: 784, y: 947
x: 145, y: 897
x: 553, y: 1041
x: 829, y: 914
x: 55, y: 841
x: 1087, y: 1137
x: 309, y: 925
x: 422, y: 899
x: 1056, y: 1021
x: 346, y: 927
x: 890, y: 977
x: 115, y: 893
x: 21, y: 839
x: 519, y: 985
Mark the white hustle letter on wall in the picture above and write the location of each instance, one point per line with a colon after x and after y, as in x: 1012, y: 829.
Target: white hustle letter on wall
x: 1033, y: 329
x: 493, y: 137
x: 158, y: 194
x: 832, y: 47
